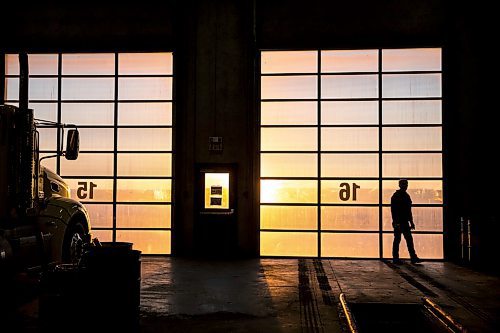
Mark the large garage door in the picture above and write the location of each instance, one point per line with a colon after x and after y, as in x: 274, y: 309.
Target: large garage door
x: 338, y: 129
x: 122, y: 105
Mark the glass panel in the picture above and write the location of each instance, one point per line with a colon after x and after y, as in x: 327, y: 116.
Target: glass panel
x: 412, y: 165
x: 411, y: 85
x: 144, y: 164
x: 349, y: 86
x: 349, y: 218
x: 103, y: 235
x: 411, y: 138
x: 39, y: 64
x: 101, y: 216
x: 43, y: 89
x: 148, y: 242
x: 143, y: 139
x: 289, y: 139
x: 48, y: 138
x: 425, y: 218
x: 87, y: 113
x: 288, y: 165
x: 12, y: 64
x: 349, y: 61
x: 289, y: 87
x: 143, y: 216
x: 217, y: 190
x: 145, y: 113
x: 420, y: 191
x: 349, y: 113
x: 143, y: 190
x: 288, y: 191
x: 289, y: 217
x: 40, y: 89
x: 349, y: 165
x: 44, y: 111
x: 145, y: 63
x: 349, y: 139
x: 411, y: 112
x: 88, y: 165
x: 289, y: 244
x: 87, y: 189
x: 411, y: 60
x: 88, y: 64
x: 289, y: 113
x: 426, y: 246
x: 11, y: 89
x: 96, y: 139
x: 349, y: 191
x: 145, y: 88
x: 49, y: 163
x: 289, y: 62
x: 349, y: 245
x: 88, y: 89
x: 43, y: 64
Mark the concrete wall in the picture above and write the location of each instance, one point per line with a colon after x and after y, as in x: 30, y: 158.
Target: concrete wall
x: 216, y: 43
x: 215, y: 97
x: 87, y: 26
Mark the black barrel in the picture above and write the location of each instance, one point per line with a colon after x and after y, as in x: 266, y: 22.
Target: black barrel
x: 114, y: 246
x: 114, y: 274
x: 103, y: 293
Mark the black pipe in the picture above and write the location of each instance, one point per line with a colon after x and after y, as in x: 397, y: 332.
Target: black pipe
x: 469, y: 241
x: 23, y: 81
x: 462, y: 238
x: 29, y: 176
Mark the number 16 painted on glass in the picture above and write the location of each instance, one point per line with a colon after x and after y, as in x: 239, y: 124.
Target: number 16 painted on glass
x: 345, y: 192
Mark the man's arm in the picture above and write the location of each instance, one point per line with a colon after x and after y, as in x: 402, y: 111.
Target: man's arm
x: 393, y: 208
x: 412, y: 225
x: 395, y: 211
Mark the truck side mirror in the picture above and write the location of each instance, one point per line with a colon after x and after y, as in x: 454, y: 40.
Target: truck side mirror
x: 72, y: 145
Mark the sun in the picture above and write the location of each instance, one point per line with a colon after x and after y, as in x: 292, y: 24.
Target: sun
x: 270, y: 190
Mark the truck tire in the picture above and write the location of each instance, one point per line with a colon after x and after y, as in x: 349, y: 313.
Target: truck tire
x: 73, y: 243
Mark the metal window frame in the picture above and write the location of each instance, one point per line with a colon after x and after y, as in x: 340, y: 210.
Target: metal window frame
x: 115, y: 126
x: 380, y: 152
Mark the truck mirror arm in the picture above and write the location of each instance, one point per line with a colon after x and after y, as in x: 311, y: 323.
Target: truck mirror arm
x: 62, y: 126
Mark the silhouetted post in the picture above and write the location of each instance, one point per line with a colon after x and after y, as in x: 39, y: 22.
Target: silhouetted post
x: 462, y: 237
x: 2, y: 78
x: 469, y: 246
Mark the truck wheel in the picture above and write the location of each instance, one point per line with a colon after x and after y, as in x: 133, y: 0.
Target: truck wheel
x: 73, y: 243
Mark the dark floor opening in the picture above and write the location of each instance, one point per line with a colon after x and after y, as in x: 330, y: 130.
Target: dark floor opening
x: 373, y: 317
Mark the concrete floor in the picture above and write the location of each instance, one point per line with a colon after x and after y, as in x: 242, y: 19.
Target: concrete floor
x: 297, y: 295
x: 301, y: 295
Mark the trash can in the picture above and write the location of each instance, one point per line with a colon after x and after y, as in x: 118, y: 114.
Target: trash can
x: 114, y: 275
x: 102, y: 292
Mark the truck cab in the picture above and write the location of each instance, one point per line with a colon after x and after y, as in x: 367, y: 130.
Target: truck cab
x: 39, y: 223
x: 63, y: 221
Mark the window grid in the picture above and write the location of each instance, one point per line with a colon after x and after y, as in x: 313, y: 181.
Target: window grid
x: 112, y: 228
x: 319, y: 178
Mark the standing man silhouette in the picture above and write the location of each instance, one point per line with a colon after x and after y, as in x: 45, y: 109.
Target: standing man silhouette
x: 402, y: 222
